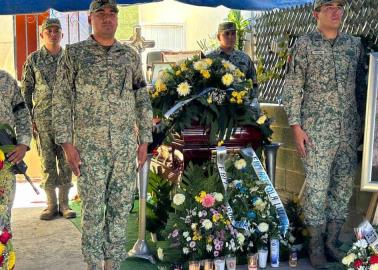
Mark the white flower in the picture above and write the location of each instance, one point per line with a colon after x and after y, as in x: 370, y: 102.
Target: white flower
x: 183, y: 89
x: 185, y: 234
x: 185, y: 250
x: 240, y: 238
x: 160, y: 254
x: 236, y: 182
x: 347, y: 260
x: 188, y: 238
x: 207, y: 224
x: 194, y: 226
x: 263, y: 227
x: 178, y: 199
x: 200, y: 214
x: 209, y: 248
x: 362, y: 243
x: 240, y: 164
x: 218, y: 196
x: 227, y: 79
x: 200, y: 65
x: 373, y: 267
x: 228, y: 65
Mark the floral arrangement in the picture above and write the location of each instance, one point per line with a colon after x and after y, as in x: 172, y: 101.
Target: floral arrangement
x: 7, y: 255
x: 247, y: 197
x: 361, y: 257
x: 218, y: 94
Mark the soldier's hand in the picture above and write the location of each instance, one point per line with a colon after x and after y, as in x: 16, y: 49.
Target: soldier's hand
x: 142, y: 154
x: 72, y: 157
x: 17, y: 155
x: 302, y: 141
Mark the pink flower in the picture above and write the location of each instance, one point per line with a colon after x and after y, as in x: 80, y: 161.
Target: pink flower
x: 5, y: 236
x: 208, y: 201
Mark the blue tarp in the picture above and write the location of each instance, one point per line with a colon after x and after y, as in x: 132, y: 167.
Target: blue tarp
x: 36, y: 6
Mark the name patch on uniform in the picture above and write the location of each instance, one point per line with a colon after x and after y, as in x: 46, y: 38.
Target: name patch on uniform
x: 317, y: 52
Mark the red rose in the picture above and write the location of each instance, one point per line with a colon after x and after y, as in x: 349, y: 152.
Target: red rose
x: 1, y: 164
x: 373, y: 259
x: 357, y: 263
x: 5, y: 236
x: 1, y: 260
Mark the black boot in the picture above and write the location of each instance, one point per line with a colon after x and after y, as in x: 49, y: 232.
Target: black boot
x: 333, y: 232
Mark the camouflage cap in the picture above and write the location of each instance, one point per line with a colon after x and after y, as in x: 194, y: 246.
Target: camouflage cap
x: 49, y: 22
x: 319, y: 3
x: 227, y: 26
x: 98, y: 4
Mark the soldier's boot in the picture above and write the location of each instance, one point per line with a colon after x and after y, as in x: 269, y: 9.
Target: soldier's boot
x: 316, y: 247
x: 52, y: 207
x: 112, y: 265
x: 331, y: 244
x: 64, y: 209
x: 95, y: 266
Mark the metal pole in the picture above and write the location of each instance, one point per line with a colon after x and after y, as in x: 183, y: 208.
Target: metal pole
x: 140, y: 248
x: 270, y: 151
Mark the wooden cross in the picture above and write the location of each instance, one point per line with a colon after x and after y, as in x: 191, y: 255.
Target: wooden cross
x: 138, y: 42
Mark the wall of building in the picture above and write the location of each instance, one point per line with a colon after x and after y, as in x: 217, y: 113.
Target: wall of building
x: 7, y: 44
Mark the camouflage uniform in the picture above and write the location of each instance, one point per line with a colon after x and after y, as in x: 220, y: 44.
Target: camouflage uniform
x: 323, y: 92
x: 38, y: 79
x: 14, y: 113
x: 105, y: 90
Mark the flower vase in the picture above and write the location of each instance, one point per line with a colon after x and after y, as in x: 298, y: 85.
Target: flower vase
x: 263, y: 257
x: 231, y: 262
x: 194, y: 265
x: 219, y: 263
x: 252, y: 261
x: 208, y: 265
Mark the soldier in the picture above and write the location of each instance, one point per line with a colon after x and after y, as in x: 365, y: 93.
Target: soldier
x: 38, y: 79
x: 14, y: 113
x: 99, y: 98
x: 227, y: 39
x: 323, y: 97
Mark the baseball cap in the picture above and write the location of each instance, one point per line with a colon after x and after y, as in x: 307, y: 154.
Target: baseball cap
x: 227, y: 26
x: 319, y: 3
x: 98, y: 4
x: 49, y: 22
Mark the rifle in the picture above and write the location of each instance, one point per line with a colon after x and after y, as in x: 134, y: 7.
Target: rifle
x: 9, y: 141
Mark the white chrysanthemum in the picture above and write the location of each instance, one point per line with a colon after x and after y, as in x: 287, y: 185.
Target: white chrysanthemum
x: 194, y: 226
x: 188, y: 239
x: 185, y: 234
x: 240, y: 164
x: 178, y: 199
x: 200, y: 65
x: 209, y: 248
x: 372, y: 267
x: 183, y: 89
x: 160, y: 254
x: 207, y: 224
x: 263, y: 227
x: 347, y: 260
x: 228, y: 65
x: 362, y: 243
x: 240, y: 238
x: 185, y: 250
x: 218, y: 196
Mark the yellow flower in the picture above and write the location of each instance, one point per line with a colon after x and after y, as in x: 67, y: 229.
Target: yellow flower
x: 209, y: 239
x: 178, y: 72
x: 11, y: 260
x: 205, y: 73
x: 200, y: 65
x: 160, y: 86
x: 196, y: 236
x: 2, y: 156
x: 2, y: 248
x: 216, y: 217
x: 262, y: 119
x: 347, y: 260
x: 209, y: 100
x: 232, y: 100
x: 227, y: 79
x: 183, y: 67
x: 234, y: 94
x: 239, y: 101
x: 238, y: 73
x: 208, y: 61
x: 183, y: 89
x: 220, y: 143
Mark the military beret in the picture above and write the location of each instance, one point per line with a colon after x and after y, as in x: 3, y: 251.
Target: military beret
x: 99, y: 4
x: 319, y: 3
x: 227, y: 26
x: 49, y: 22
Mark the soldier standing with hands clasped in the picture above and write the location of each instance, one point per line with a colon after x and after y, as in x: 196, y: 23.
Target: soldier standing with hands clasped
x: 38, y: 79
x: 99, y: 98
x: 323, y: 97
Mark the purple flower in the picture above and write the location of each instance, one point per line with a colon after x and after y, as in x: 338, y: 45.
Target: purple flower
x: 218, y: 246
x: 216, y: 253
x: 192, y: 244
x: 174, y: 233
x: 204, y: 213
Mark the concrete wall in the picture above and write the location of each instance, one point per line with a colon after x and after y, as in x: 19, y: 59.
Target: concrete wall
x: 289, y: 169
x: 6, y: 44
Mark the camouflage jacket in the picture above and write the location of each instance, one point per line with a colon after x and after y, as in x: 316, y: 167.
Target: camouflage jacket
x: 101, y: 96
x: 13, y: 110
x: 38, y: 79
x: 325, y: 83
x: 240, y: 60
